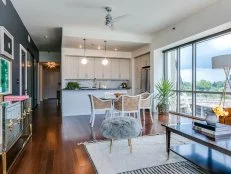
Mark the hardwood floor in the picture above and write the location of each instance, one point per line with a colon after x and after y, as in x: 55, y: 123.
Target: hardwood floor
x: 53, y: 147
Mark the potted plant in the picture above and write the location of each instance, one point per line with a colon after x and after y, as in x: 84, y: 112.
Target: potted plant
x: 72, y: 86
x: 164, y: 94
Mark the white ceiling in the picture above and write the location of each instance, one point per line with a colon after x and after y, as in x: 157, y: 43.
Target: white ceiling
x: 47, y: 17
x: 77, y: 42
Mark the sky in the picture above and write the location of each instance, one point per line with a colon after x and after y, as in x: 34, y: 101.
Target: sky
x: 205, y: 51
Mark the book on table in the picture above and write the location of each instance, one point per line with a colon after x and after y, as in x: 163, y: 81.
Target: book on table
x: 212, y: 130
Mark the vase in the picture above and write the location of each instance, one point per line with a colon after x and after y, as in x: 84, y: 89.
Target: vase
x: 211, y: 120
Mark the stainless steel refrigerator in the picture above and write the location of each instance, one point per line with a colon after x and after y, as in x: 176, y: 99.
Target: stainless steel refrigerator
x: 145, y: 79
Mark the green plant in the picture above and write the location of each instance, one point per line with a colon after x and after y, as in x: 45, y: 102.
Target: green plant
x: 72, y: 85
x: 164, y: 95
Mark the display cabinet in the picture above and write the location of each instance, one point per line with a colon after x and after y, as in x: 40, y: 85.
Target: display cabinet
x: 16, y: 130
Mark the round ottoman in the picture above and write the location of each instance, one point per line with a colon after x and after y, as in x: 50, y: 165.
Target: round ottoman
x: 121, y: 128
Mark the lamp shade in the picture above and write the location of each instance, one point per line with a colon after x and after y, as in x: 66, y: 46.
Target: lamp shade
x: 221, y: 61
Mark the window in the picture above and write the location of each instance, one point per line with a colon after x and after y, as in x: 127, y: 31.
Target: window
x: 186, y: 68
x: 4, y: 76
x: 198, y: 87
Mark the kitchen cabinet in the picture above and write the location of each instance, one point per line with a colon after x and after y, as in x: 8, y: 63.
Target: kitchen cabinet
x: 107, y: 70
x: 90, y: 68
x: 124, y: 69
x: 98, y: 68
x: 86, y: 71
x: 81, y: 70
x: 70, y: 68
x: 115, y: 69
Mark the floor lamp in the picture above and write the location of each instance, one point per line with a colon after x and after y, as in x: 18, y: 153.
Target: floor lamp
x: 223, y: 62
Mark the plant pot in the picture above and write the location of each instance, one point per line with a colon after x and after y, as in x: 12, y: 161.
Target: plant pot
x: 163, y: 109
x: 211, y: 120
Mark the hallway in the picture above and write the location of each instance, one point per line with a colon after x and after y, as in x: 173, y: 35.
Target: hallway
x: 53, y: 148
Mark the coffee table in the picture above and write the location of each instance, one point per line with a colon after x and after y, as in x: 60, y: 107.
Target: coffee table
x: 213, y: 155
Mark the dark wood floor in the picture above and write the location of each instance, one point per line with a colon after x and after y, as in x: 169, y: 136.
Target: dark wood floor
x: 53, y: 148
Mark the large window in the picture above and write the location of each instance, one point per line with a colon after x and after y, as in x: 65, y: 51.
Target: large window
x: 4, y: 76
x: 198, y: 87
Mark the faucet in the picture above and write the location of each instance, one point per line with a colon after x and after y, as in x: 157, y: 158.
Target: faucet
x: 94, y: 83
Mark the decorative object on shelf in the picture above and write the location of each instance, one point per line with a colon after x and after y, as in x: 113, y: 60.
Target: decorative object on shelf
x: 164, y: 95
x: 51, y: 65
x: 222, y: 62
x: 105, y: 61
x: 211, y: 119
x: 72, y: 86
x: 84, y: 59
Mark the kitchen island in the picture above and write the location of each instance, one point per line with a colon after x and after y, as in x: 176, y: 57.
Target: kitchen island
x: 77, y: 102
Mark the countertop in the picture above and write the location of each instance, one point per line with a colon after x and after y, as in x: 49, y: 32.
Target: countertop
x: 97, y: 89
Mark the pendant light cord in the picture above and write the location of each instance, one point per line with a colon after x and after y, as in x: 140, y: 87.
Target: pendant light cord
x: 105, y: 47
x: 84, y: 48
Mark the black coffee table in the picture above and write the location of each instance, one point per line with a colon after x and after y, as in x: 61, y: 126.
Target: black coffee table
x: 213, y: 155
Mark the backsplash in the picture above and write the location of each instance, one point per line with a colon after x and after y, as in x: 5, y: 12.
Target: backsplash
x: 99, y: 83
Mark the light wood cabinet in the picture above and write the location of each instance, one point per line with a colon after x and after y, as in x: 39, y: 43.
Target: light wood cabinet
x: 107, y: 70
x: 90, y: 68
x: 98, y: 68
x: 115, y: 69
x: 70, y: 68
x: 124, y: 69
x: 86, y: 71
x: 81, y: 70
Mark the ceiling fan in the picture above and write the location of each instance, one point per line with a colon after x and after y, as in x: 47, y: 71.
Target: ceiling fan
x: 109, y: 20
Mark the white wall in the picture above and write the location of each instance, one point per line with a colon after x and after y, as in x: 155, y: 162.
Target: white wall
x: 103, y: 34
x: 95, y: 53
x: 49, y: 56
x: 213, y: 19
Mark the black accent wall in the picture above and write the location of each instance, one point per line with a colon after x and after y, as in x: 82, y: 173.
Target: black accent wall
x: 10, y: 19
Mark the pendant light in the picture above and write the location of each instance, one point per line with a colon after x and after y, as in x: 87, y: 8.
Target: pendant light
x: 84, y: 59
x: 105, y: 61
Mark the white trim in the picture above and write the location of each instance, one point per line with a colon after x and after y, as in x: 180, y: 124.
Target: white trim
x: 21, y: 48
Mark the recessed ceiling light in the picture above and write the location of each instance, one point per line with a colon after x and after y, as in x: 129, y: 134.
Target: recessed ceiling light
x: 116, y: 49
x: 99, y: 47
x: 80, y: 46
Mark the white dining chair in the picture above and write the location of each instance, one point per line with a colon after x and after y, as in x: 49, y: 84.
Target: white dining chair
x: 146, y: 100
x: 127, y: 105
x: 99, y: 105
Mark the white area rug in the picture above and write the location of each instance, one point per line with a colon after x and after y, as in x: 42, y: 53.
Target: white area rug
x: 148, y: 151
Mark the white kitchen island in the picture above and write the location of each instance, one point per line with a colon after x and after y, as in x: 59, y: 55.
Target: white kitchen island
x: 77, y: 102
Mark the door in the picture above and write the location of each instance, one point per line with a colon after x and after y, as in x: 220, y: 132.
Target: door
x: 51, y: 82
x: 23, y: 71
x: 35, y: 78
x: 30, y: 80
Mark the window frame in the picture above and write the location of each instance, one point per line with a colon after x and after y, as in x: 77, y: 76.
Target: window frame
x: 194, y: 91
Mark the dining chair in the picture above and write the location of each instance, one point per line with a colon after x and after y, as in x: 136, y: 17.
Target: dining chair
x: 146, y: 100
x: 128, y: 105
x: 99, y: 105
